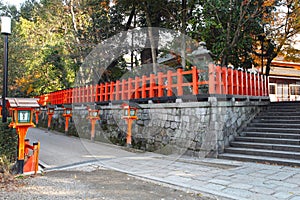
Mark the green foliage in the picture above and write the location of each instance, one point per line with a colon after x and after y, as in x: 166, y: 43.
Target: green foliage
x: 51, y: 38
x: 8, y: 142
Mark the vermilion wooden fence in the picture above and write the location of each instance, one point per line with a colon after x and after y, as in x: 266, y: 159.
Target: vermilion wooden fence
x: 220, y: 80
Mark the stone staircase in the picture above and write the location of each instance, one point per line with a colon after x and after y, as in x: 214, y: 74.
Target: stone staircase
x: 273, y: 137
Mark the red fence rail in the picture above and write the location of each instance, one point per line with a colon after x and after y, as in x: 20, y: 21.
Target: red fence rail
x: 219, y: 80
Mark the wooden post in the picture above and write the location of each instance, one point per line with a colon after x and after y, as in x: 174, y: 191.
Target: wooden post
x: 129, y: 88
x: 230, y: 80
x: 179, y: 82
x: 169, y: 85
x: 136, y: 87
x: 93, y: 123
x: 128, y: 137
x: 224, y: 81
x: 160, y: 84
x: 111, y: 91
x: 151, y: 88
x: 123, y: 97
x: 67, y: 125
x: 218, y: 79
x: 212, y: 80
x: 195, y: 80
x: 144, y: 85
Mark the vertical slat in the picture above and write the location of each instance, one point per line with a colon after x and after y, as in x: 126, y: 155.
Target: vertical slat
x: 218, y: 79
x: 144, y: 85
x: 169, y: 85
x: 106, y: 92
x: 212, y: 79
x: 136, y: 87
x: 241, y: 82
x: 160, y: 83
x: 195, y: 80
x: 112, y: 91
x: 179, y: 82
x: 152, y: 84
x: 123, y: 97
x: 224, y: 79
x: 129, y: 88
x: 230, y: 80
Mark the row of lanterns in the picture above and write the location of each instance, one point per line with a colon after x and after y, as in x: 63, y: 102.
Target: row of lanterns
x: 22, y: 111
x: 129, y: 114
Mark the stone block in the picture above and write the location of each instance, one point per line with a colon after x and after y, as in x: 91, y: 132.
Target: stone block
x: 174, y: 125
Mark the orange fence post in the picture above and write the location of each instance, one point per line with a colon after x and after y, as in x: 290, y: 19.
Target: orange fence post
x: 144, y: 85
x: 67, y: 125
x: 255, y: 84
x: 151, y: 87
x: 106, y: 92
x: 224, y: 79
x: 230, y: 80
x: 123, y: 89
x: 241, y: 81
x: 244, y: 82
x: 32, y: 163
x: 235, y: 82
x: 160, y: 84
x: 218, y: 80
x: 111, y: 89
x: 179, y: 82
x: 170, y: 83
x: 258, y: 84
x: 128, y: 137
x: 129, y: 88
x: 195, y: 80
x: 261, y: 81
x: 136, y: 87
x: 212, y: 80
x: 97, y: 93
x: 117, y: 88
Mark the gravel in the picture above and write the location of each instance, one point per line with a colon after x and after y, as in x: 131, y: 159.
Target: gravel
x: 93, y: 184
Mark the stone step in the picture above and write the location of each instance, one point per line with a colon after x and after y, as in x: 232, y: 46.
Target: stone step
x: 272, y: 135
x: 279, y: 147
x: 276, y: 113
x: 268, y: 140
x: 276, y: 121
x: 285, y: 103
x: 283, y: 109
x: 260, y: 159
x: 264, y: 152
x: 271, y: 130
x: 274, y: 125
x: 277, y: 117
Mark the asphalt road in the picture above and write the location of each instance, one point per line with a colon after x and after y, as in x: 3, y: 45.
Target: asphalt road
x: 57, y: 150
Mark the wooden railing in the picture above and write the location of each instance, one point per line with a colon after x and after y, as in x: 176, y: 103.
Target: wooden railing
x: 218, y: 80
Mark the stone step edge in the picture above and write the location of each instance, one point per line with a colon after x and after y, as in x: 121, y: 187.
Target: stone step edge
x: 270, y: 133
x: 264, y: 150
x: 263, y: 138
x: 250, y: 158
x: 264, y: 144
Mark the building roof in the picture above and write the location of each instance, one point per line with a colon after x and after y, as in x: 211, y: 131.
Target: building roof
x: 287, y: 69
x: 23, y: 102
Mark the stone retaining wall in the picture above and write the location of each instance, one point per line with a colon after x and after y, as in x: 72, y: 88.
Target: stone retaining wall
x: 200, y: 129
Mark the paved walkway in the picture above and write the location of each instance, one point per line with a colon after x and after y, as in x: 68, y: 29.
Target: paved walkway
x: 226, y: 179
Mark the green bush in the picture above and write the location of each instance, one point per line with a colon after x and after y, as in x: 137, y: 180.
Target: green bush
x: 8, y: 142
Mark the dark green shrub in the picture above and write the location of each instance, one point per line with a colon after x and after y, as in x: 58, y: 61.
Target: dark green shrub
x: 8, y: 142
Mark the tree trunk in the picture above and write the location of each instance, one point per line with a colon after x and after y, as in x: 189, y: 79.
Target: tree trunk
x: 151, y: 39
x: 183, y: 31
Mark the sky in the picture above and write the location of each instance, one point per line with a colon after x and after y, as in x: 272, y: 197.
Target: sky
x: 17, y: 3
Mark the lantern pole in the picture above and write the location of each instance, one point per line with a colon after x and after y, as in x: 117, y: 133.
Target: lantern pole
x: 5, y: 30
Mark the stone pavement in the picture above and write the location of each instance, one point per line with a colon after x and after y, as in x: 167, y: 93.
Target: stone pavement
x: 231, y: 180
x: 223, y: 178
